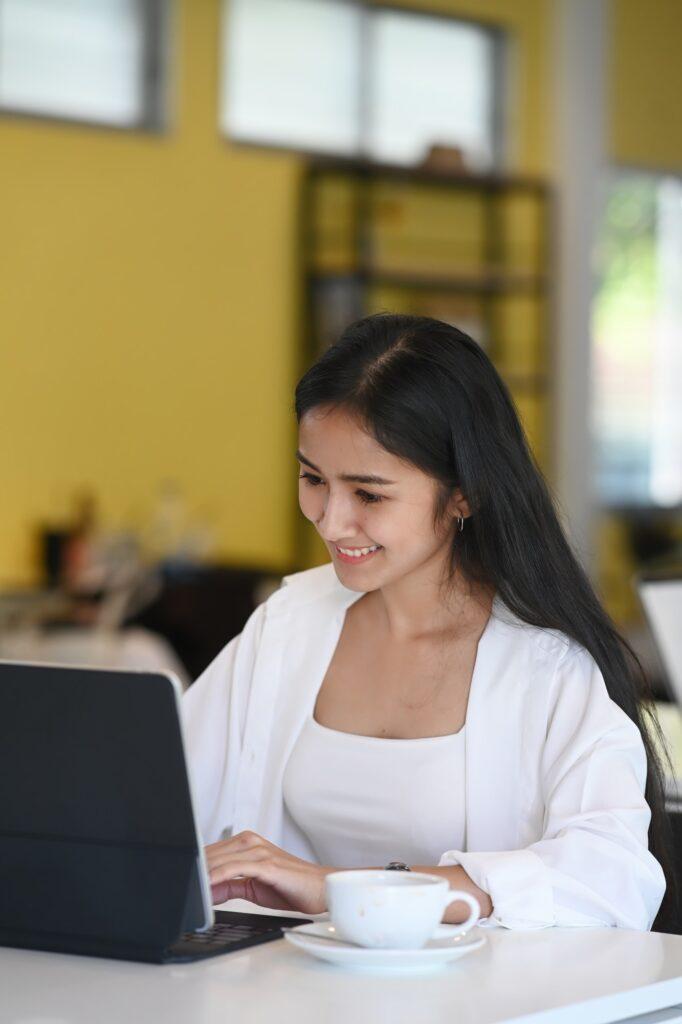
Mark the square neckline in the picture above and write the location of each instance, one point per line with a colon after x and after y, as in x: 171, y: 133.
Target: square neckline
x: 483, y: 641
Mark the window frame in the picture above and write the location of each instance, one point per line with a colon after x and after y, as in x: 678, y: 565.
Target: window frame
x: 498, y: 121
x: 156, y: 17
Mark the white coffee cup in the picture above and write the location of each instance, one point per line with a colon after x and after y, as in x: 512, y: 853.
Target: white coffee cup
x: 392, y: 909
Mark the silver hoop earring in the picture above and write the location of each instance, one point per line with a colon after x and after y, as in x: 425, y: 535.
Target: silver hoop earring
x: 460, y: 523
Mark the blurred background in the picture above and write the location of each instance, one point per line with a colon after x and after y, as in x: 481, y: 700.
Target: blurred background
x: 196, y: 196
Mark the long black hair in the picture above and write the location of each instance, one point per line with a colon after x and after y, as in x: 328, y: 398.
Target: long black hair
x: 430, y: 395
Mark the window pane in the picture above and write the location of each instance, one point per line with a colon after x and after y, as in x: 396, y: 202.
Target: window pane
x: 432, y: 81
x: 292, y: 73
x: 73, y: 59
x: 339, y: 77
x: 637, y: 332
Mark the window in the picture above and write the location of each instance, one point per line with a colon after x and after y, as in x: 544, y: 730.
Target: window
x: 432, y: 81
x: 637, y: 343
x: 83, y: 61
x: 292, y: 73
x: 338, y: 77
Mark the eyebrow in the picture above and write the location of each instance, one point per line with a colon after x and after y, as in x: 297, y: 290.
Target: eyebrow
x: 354, y: 478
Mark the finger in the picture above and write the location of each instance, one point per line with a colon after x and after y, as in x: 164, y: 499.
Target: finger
x: 264, y: 871
x: 235, y: 889
x: 246, y: 838
x: 241, y: 841
x: 226, y: 857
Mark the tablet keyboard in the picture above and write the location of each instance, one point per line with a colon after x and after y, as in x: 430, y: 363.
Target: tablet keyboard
x: 231, y: 931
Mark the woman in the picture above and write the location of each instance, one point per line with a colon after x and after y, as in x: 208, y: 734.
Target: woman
x: 448, y: 693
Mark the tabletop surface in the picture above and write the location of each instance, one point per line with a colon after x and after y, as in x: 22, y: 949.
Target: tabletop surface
x: 558, y: 975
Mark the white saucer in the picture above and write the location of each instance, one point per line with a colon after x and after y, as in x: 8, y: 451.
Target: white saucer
x: 447, y: 944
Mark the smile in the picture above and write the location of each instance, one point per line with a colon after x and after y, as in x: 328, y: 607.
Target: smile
x: 356, y: 554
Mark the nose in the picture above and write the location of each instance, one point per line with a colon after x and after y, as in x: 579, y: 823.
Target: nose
x: 337, y: 519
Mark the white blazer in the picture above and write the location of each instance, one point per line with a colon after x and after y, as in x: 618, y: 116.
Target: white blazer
x: 556, y: 820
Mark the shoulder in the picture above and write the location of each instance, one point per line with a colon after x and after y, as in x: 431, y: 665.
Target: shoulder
x: 554, y: 669
x: 546, y: 647
x: 564, y: 679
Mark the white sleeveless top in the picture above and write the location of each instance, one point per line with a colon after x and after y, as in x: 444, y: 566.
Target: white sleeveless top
x: 363, y: 801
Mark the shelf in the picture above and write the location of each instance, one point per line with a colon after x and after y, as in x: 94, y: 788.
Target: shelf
x: 463, y: 179
x: 492, y: 282
x: 469, y: 249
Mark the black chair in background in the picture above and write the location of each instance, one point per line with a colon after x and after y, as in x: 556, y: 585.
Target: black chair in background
x: 199, y: 609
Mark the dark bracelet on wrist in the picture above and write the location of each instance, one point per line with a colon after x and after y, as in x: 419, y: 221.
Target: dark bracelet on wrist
x: 397, y: 865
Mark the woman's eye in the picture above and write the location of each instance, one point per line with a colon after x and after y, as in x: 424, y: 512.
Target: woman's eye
x: 365, y: 497
x: 369, y: 499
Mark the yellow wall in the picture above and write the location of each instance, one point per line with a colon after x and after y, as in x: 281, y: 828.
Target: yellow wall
x: 645, y: 80
x: 147, y: 318
x: 148, y: 305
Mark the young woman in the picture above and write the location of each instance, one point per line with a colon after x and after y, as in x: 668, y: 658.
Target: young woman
x: 448, y: 692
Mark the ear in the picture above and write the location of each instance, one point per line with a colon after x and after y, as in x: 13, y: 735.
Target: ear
x: 458, y: 505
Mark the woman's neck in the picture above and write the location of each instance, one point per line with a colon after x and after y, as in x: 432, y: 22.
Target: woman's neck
x: 418, y: 606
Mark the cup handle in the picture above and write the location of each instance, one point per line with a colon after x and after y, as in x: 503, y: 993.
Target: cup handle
x: 454, y: 896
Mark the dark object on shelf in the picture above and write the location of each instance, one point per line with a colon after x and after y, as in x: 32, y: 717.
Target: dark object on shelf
x: 200, y: 610
x: 653, y: 539
x: 53, y: 545
x: 446, y: 159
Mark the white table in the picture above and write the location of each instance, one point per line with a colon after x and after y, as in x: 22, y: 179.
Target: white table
x: 552, y: 976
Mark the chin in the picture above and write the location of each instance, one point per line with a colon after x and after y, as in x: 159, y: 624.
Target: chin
x: 355, y: 587
x: 347, y: 579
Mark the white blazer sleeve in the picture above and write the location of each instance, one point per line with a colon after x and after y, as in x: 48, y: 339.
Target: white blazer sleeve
x: 214, y: 715
x: 592, y: 865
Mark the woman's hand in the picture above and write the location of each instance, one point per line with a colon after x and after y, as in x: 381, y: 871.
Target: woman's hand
x: 248, y: 867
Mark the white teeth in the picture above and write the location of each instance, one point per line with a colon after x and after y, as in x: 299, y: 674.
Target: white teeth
x: 357, y: 552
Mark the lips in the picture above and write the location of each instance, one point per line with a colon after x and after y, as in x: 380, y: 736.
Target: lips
x: 363, y: 554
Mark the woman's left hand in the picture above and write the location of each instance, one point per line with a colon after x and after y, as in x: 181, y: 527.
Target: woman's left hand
x: 248, y: 867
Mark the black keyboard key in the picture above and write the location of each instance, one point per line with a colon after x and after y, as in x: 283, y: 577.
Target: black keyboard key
x: 231, y: 931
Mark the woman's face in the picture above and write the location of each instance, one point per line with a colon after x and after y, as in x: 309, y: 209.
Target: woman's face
x: 373, y: 511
